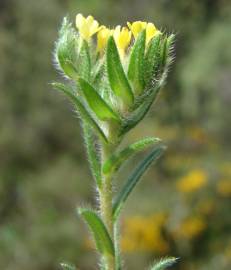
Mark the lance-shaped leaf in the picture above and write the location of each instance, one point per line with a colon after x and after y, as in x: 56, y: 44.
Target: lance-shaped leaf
x: 164, y: 263
x: 84, y: 60
x: 92, y: 154
x: 152, y: 60
x: 136, y: 64
x: 142, y: 110
x: 116, y: 75
x: 117, y: 159
x: 96, y: 103
x: 67, y: 266
x: 134, y: 179
x: 81, y: 108
x: 99, y: 231
x: 65, y: 50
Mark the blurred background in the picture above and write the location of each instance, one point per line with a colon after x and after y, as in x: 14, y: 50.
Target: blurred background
x: 182, y: 206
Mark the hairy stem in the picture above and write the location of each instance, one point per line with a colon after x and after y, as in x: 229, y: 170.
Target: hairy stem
x: 106, y: 204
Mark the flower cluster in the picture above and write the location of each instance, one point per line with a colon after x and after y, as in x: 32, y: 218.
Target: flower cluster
x: 116, y: 74
x: 123, y: 35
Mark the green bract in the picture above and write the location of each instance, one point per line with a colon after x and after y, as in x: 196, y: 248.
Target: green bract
x: 112, y: 89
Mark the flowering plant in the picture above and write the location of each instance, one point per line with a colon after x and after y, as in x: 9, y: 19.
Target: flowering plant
x: 112, y: 83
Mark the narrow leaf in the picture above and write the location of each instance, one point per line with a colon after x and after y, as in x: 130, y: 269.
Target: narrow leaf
x: 142, y: 110
x: 92, y: 153
x: 152, y: 60
x: 84, y: 61
x: 96, y: 103
x: 67, y: 266
x: 101, y: 236
x: 117, y: 159
x: 117, y: 78
x: 136, y: 64
x: 83, y: 111
x: 134, y: 179
x: 164, y: 263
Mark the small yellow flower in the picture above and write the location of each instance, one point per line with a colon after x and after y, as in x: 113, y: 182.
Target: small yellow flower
x: 122, y: 38
x: 136, y: 27
x: 87, y: 26
x: 102, y: 38
x: 192, y: 181
x: 151, y: 31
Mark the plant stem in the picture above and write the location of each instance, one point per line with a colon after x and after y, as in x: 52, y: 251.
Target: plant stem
x: 106, y: 204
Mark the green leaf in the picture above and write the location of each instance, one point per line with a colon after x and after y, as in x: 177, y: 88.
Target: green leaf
x: 92, y: 153
x: 117, y: 78
x: 84, y: 61
x: 152, y: 60
x: 99, y: 231
x: 65, y: 50
x: 134, y: 179
x: 142, y: 110
x: 67, y: 266
x: 117, y: 159
x: 164, y: 263
x: 136, y: 64
x: 96, y: 103
x: 81, y: 108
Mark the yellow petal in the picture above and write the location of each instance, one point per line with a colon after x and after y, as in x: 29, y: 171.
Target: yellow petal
x: 87, y: 26
x: 136, y: 27
x: 122, y: 38
x: 102, y: 38
x: 79, y: 20
x: 151, y: 31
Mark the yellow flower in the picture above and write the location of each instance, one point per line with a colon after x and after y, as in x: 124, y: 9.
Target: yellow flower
x: 102, y: 38
x: 224, y: 188
x: 122, y: 38
x: 192, y: 181
x: 87, y: 26
x: 151, y: 31
x: 138, y: 26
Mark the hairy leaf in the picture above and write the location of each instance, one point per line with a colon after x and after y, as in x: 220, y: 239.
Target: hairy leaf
x: 117, y: 159
x: 142, y: 110
x: 136, y: 64
x: 79, y: 105
x: 99, y: 231
x: 116, y: 75
x: 84, y: 61
x: 92, y: 153
x: 134, y: 179
x: 65, y: 50
x: 96, y: 103
x: 67, y: 266
x: 164, y: 263
x: 152, y: 60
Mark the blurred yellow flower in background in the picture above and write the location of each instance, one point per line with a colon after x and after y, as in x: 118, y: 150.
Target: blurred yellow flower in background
x: 193, y: 181
x: 87, y: 26
x: 224, y: 187
x: 190, y: 228
x: 144, y: 234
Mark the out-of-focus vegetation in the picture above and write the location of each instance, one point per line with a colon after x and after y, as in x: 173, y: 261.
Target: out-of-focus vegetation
x: 186, y: 198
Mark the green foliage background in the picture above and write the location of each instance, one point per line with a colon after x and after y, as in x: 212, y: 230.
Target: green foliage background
x: 43, y: 171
